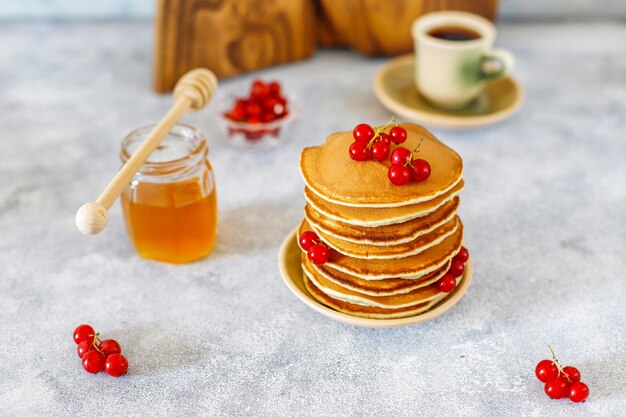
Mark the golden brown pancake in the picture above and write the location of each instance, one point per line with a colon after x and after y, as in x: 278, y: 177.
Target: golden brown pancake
x: 330, y: 173
x: 363, y: 251
x: 369, y: 312
x: 373, y: 217
x: 393, y: 302
x: 393, y: 234
x: 398, y: 300
x: 414, y: 266
x: 381, y: 287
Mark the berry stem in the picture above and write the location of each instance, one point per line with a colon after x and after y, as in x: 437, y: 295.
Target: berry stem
x: 409, y: 159
x: 558, y: 365
x: 379, y: 129
x: 94, y: 344
x: 417, y: 148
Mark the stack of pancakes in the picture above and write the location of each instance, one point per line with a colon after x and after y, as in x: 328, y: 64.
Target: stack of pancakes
x: 389, y: 244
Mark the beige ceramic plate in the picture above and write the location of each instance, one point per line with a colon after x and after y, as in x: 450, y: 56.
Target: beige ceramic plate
x: 289, y: 264
x: 395, y: 89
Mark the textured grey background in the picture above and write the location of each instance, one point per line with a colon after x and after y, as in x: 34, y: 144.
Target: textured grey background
x: 142, y: 9
x: 543, y: 208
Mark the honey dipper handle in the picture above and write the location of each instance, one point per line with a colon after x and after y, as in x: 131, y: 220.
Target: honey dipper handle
x: 192, y: 92
x: 139, y: 157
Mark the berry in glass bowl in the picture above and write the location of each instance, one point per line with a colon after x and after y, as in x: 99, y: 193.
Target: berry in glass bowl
x: 258, y: 117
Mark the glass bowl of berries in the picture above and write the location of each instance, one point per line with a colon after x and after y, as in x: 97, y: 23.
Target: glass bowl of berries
x: 258, y: 117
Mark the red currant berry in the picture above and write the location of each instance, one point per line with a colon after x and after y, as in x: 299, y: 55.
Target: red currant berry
x: 93, y: 362
x: 578, y: 392
x: 253, y: 109
x: 308, y: 239
x: 268, y: 117
x: 556, y: 388
x: 380, y: 151
x: 363, y: 133
x: 235, y: 116
x: 546, y: 370
x: 398, y: 135
x: 109, y: 347
x: 399, y: 174
x: 359, y: 151
x: 84, y: 347
x: 383, y: 137
x: 116, y: 365
x: 259, y: 89
x: 84, y: 332
x: 572, y: 373
x: 274, y: 88
x: 400, y: 155
x: 318, y: 254
x: 463, y: 255
x: 269, y: 104
x: 282, y: 101
x: 420, y: 171
x: 456, y: 268
x: 447, y: 283
x: 240, y: 104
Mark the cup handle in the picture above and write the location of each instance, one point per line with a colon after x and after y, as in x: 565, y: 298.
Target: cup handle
x: 496, y: 64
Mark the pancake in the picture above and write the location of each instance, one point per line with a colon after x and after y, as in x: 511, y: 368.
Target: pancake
x: 373, y: 217
x: 330, y: 173
x: 378, y: 288
x: 392, y: 302
x: 369, y: 312
x: 414, y: 266
x: 402, y: 250
x: 393, y: 234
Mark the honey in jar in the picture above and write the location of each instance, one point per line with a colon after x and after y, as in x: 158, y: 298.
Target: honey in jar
x: 170, y: 207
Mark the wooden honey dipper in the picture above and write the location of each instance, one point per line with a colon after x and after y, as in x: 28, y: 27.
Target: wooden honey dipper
x: 192, y: 92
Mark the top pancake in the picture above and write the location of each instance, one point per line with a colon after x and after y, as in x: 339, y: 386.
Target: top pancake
x: 330, y: 173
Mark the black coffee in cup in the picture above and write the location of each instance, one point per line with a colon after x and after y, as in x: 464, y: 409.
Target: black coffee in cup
x: 454, y: 33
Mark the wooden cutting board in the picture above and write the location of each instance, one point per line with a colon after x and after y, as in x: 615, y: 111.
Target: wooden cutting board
x: 230, y: 37
x: 383, y: 27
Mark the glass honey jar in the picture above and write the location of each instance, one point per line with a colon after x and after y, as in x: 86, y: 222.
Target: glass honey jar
x: 170, y: 206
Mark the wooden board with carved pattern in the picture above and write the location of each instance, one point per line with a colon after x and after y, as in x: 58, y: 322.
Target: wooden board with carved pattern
x: 376, y: 27
x: 230, y: 37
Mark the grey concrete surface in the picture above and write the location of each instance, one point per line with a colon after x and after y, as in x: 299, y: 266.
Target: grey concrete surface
x: 544, y: 210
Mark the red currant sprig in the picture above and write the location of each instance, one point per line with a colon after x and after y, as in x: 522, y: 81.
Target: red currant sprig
x: 447, y: 283
x: 405, y: 168
x: 316, y: 251
x: 374, y: 143
x: 561, y: 381
x: 99, y: 355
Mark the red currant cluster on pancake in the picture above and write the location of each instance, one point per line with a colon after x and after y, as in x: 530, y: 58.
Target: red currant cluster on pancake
x: 264, y: 104
x: 316, y: 251
x: 561, y: 382
x: 447, y: 283
x: 375, y: 144
x: 99, y: 355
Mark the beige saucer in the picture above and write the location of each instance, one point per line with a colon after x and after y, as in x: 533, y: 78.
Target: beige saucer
x: 394, y: 87
x: 289, y: 264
